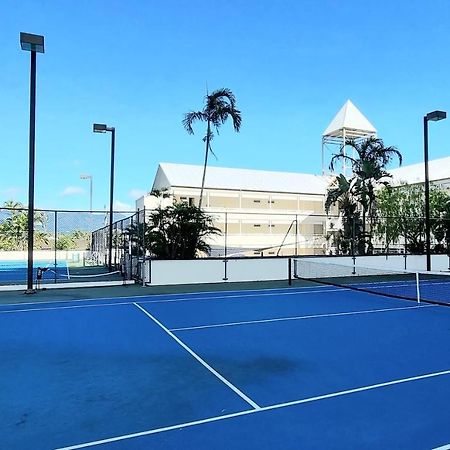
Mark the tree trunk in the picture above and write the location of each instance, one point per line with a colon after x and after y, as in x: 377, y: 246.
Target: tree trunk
x: 208, y: 132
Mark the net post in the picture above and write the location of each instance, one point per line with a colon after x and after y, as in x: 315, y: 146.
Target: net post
x: 418, y: 287
x: 290, y: 271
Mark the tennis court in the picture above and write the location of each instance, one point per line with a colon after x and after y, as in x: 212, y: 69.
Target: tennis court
x: 16, y: 271
x: 310, y: 367
x: 47, y: 272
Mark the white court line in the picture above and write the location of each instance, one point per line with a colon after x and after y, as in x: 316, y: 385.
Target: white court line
x: 184, y: 295
x: 253, y: 411
x: 133, y: 298
x: 200, y: 360
x: 270, y: 294
x: 312, y: 316
x: 53, y: 308
x: 443, y: 447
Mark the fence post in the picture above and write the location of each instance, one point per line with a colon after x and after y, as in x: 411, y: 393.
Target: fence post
x: 404, y: 242
x: 290, y: 271
x: 144, y: 229
x: 296, y: 235
x: 56, y: 242
x: 353, y: 246
x: 225, y: 275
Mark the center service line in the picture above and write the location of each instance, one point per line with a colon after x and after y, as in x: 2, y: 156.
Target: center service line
x: 200, y: 360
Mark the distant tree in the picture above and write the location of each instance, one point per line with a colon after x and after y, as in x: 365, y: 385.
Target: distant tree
x: 440, y: 219
x: 369, y: 173
x: 390, y: 225
x: 72, y: 240
x: 65, y: 242
x: 401, y: 212
x: 14, y: 229
x: 219, y: 105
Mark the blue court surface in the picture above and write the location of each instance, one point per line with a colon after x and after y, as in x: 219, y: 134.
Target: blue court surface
x: 302, y: 368
x: 16, y: 271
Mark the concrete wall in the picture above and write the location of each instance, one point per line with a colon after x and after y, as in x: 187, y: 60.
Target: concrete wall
x: 266, y: 269
x: 214, y: 270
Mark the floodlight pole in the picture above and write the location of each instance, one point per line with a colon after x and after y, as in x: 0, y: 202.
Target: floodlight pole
x: 33, y: 43
x: 427, y: 194
x: 102, y: 128
x: 111, y: 191
x: 433, y: 116
x: 31, y: 156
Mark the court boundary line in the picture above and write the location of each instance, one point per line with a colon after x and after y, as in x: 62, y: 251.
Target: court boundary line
x: 442, y: 447
x: 311, y: 316
x: 296, y: 289
x: 182, y: 299
x: 96, y: 305
x: 235, y: 389
x: 261, y: 409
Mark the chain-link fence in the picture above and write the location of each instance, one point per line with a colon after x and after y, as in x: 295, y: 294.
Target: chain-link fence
x: 127, y: 245
x: 75, y: 245
x: 63, y: 248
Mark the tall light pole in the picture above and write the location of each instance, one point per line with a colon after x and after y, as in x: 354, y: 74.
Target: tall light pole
x: 433, y: 117
x: 32, y: 43
x: 102, y: 128
x: 85, y: 176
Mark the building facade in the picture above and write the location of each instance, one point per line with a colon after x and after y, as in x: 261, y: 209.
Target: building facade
x: 258, y: 212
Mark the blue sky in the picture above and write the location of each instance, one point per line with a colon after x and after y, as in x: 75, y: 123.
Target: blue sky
x: 140, y: 65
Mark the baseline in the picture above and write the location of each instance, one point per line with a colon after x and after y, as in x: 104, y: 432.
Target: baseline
x: 132, y: 299
x: 261, y: 409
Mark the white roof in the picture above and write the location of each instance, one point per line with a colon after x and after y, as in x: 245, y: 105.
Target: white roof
x: 185, y: 175
x: 438, y: 169
x: 352, y: 120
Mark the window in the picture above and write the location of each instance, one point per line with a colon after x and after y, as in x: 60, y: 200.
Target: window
x: 191, y: 201
x: 256, y: 201
x: 257, y: 225
x: 318, y: 228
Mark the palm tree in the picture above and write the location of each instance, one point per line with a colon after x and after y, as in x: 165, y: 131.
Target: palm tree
x: 219, y: 105
x: 14, y: 229
x: 369, y: 171
x: 341, y: 192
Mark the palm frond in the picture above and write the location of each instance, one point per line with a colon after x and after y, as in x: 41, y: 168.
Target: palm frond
x: 191, y: 117
x: 341, y: 157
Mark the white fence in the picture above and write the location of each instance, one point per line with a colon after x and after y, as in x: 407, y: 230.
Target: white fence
x: 215, y: 270
x: 158, y: 272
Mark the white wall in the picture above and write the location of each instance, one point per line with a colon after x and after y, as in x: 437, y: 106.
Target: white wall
x: 267, y: 269
x: 395, y: 262
x: 213, y: 270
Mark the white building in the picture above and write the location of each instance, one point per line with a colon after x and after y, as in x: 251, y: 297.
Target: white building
x: 260, y: 212
x: 438, y: 169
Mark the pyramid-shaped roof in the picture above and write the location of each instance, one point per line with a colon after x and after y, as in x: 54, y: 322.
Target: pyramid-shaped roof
x: 352, y: 120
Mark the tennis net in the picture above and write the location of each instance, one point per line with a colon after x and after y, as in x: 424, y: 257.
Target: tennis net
x: 429, y: 287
